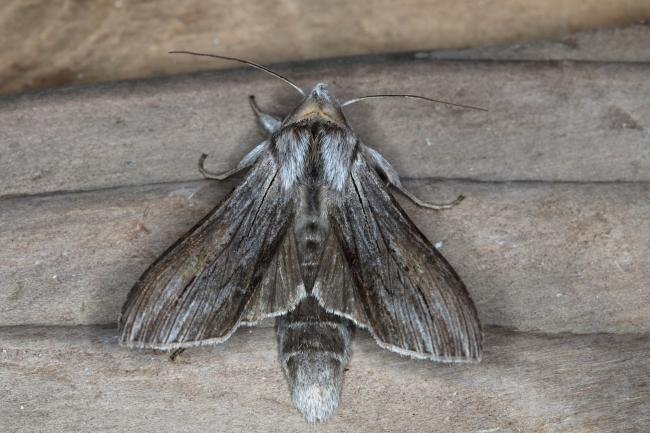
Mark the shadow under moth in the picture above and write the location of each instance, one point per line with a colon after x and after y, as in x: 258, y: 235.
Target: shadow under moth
x: 312, y: 236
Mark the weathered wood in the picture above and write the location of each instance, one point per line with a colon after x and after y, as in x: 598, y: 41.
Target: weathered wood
x: 627, y: 44
x: 79, y: 380
x: 123, y: 39
x: 567, y: 254
x: 547, y: 121
x: 549, y: 256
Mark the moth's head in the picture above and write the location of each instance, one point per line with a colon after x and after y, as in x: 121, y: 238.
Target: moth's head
x: 318, y: 105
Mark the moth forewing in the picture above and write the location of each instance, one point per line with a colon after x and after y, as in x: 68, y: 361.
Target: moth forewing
x: 197, y: 292
x: 413, y: 301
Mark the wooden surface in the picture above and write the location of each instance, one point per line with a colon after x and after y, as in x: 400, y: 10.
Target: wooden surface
x: 547, y: 121
x: 626, y: 44
x: 79, y: 380
x: 552, y: 241
x: 59, y: 42
x: 551, y: 257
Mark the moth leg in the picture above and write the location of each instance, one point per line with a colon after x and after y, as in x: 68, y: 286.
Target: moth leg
x: 175, y: 353
x: 246, y: 162
x: 387, y: 171
x: 434, y: 206
x: 267, y: 121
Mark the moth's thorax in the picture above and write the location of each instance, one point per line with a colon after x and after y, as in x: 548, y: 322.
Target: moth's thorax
x: 314, y: 152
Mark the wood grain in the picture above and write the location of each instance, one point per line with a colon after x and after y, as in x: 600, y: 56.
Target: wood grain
x: 60, y: 42
x: 626, y: 44
x: 79, y: 380
x: 556, y: 257
x: 547, y: 121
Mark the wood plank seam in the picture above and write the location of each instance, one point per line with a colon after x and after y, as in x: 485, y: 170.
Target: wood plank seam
x: 405, y: 179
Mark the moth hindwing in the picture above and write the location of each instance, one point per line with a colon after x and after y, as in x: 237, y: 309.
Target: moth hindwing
x: 313, y: 236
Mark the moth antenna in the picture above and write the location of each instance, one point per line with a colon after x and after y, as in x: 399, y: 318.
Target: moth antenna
x: 361, y: 98
x: 246, y: 62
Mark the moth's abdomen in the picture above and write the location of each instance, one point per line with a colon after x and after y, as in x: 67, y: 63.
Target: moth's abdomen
x: 314, y: 351
x: 310, y: 228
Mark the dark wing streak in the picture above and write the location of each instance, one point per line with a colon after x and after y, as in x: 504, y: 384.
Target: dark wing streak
x: 459, y: 321
x: 382, y: 250
x: 203, y: 294
x: 413, y: 283
x: 204, y: 308
x: 334, y: 285
x: 371, y: 227
x: 395, y: 267
x: 282, y: 285
x: 283, y: 292
x: 166, y: 257
x: 436, y: 333
x: 414, y: 302
x: 367, y: 213
x: 450, y: 295
x: 250, y: 227
x: 185, y: 273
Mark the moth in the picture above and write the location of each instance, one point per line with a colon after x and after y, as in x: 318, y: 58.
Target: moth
x: 313, y: 237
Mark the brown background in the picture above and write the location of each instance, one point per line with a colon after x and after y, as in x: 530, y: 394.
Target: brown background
x: 51, y: 43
